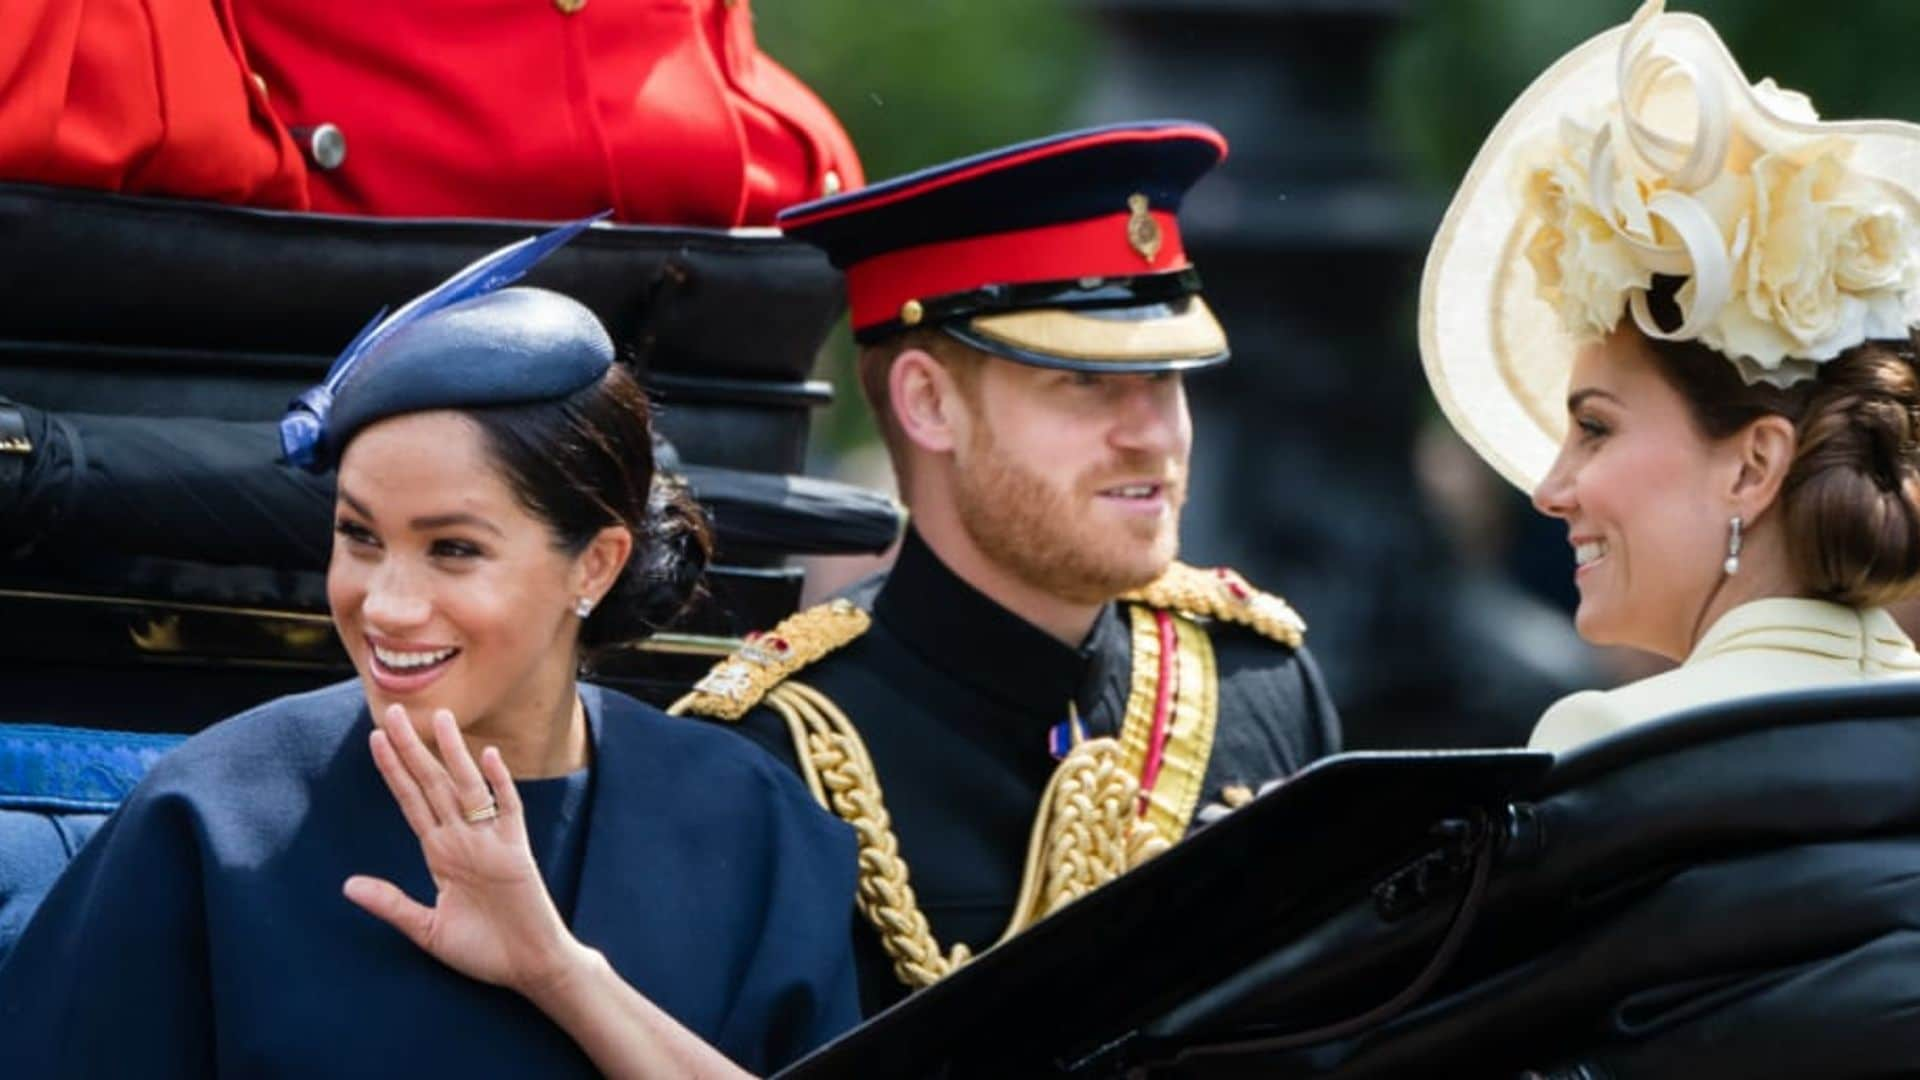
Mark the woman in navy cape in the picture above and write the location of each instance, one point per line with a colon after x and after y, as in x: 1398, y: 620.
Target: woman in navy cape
x: 498, y: 519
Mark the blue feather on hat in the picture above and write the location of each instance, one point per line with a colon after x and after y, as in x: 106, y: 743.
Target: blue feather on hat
x: 304, y: 426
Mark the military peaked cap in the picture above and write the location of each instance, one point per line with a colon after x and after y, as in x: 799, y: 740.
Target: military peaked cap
x: 1063, y: 252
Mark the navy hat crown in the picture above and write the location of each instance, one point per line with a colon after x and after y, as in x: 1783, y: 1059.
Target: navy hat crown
x: 1067, y: 176
x: 468, y: 342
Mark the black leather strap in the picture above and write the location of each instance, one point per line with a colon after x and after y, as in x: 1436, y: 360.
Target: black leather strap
x: 1072, y: 293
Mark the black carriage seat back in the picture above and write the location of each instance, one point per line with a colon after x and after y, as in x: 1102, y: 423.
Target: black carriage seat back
x: 1724, y: 840
x: 1871, y: 700
x: 165, y: 307
x: 57, y: 785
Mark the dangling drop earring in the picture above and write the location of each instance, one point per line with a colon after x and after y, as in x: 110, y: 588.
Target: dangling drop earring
x: 1732, y: 565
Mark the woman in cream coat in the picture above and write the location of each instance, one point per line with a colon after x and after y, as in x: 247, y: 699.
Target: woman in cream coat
x: 1679, y: 310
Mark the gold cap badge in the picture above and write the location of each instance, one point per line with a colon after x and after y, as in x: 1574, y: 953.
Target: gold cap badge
x: 1143, y: 232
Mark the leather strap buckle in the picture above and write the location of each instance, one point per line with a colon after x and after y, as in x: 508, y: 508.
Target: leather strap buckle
x: 13, y: 431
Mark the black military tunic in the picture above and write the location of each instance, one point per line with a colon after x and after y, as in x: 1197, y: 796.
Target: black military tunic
x: 954, y: 697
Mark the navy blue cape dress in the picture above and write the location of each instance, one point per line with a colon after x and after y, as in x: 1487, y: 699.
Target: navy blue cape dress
x: 202, y: 930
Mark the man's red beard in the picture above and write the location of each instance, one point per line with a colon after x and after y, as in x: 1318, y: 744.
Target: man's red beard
x: 1041, y: 533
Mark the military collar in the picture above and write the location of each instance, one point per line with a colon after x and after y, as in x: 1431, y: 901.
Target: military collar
x: 959, y: 630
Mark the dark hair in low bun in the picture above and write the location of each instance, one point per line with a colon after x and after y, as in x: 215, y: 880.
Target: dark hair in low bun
x: 585, y: 462
x: 664, y: 578
x: 1850, y: 504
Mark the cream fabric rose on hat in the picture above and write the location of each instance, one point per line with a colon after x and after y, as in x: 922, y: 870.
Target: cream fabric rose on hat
x: 1644, y: 153
x: 1585, y: 267
x: 1831, y: 261
x: 1790, y: 254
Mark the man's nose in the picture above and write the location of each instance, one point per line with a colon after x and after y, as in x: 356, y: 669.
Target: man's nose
x: 1153, y: 417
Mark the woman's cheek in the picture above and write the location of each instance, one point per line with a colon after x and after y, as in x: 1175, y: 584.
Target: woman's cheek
x: 485, y: 609
x: 346, y: 588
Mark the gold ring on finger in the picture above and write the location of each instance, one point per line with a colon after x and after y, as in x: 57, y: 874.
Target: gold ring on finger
x: 483, y: 813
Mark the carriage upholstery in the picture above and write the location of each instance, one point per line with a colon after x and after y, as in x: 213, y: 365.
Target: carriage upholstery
x: 57, y: 784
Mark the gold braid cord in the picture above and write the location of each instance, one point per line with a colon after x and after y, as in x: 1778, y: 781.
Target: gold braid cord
x: 1223, y: 595
x: 836, y: 766
x: 1086, y: 832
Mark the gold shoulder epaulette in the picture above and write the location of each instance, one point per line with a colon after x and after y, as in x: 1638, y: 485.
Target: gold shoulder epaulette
x: 736, y: 684
x: 1223, y: 595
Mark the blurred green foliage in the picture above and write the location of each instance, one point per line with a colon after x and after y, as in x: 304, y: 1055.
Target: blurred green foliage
x: 1455, y: 65
x: 917, y: 82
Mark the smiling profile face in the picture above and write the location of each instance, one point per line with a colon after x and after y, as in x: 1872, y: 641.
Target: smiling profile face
x: 1642, y: 491
x: 446, y: 591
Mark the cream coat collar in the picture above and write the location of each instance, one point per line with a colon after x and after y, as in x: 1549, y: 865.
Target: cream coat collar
x: 1867, y: 638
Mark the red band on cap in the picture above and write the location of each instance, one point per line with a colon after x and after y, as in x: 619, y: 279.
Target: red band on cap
x: 1096, y: 247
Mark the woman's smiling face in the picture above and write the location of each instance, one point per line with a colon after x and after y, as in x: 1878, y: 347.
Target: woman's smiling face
x: 1642, y: 491
x: 446, y: 591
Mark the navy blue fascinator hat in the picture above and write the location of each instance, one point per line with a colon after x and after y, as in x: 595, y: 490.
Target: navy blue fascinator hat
x: 469, y: 342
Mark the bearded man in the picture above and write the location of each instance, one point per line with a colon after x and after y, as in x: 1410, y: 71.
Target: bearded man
x: 1037, y: 697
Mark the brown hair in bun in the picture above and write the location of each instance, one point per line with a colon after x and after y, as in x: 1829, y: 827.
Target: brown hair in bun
x: 1850, y: 504
x: 1852, y: 495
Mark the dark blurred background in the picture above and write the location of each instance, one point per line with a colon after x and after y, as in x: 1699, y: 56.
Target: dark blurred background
x: 1438, y: 602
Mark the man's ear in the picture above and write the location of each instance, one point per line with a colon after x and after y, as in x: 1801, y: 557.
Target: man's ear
x: 1764, y: 450
x: 598, y: 567
x: 926, y: 402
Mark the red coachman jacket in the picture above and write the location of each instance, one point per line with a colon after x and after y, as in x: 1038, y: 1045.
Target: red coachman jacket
x: 664, y: 110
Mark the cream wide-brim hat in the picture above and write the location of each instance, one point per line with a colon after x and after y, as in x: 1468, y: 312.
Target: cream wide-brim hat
x: 1495, y: 352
